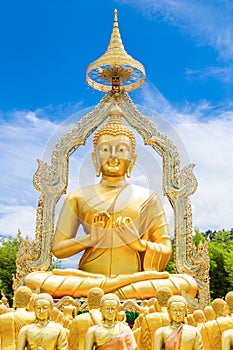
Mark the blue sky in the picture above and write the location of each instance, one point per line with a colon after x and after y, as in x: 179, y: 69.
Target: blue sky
x: 187, y: 49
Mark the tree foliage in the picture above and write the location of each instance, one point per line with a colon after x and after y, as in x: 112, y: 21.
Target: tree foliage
x: 221, y: 262
x: 8, y: 251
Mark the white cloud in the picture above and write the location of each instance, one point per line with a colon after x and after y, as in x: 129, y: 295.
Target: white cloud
x: 209, y: 22
x: 202, y: 140
x: 209, y: 144
x: 224, y: 74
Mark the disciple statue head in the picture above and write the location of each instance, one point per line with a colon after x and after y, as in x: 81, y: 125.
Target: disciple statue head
x: 94, y: 297
x: 110, y: 306
x: 43, y: 304
x: 177, y: 309
x: 22, y: 297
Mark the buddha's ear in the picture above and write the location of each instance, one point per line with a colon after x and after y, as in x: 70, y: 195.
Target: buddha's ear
x: 131, y: 165
x: 95, y: 163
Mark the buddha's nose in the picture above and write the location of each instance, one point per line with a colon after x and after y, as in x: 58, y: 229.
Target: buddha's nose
x: 113, y: 153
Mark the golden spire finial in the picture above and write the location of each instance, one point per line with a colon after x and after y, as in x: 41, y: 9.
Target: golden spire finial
x: 115, y: 70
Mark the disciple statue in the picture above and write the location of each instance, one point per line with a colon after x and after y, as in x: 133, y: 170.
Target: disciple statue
x: 110, y: 333
x: 126, y: 243
x: 12, y: 322
x: 82, y: 322
x: 213, y: 330
x: 43, y: 334
x: 177, y: 335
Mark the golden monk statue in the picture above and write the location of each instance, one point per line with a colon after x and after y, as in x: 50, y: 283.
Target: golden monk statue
x: 43, y: 334
x: 12, y: 322
x: 110, y: 333
x: 177, y: 335
x: 82, y: 322
x: 126, y: 243
x: 212, y: 333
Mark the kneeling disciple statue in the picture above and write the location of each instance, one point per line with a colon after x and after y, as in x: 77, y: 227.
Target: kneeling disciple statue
x: 178, y: 335
x: 43, y: 334
x: 111, y: 333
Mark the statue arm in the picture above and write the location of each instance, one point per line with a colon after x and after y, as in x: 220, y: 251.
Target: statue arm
x: 22, y: 338
x: 158, y: 339
x: 62, y: 343
x: 90, y: 338
x: 198, y: 345
x: 227, y: 339
x: 65, y: 243
x: 154, y: 231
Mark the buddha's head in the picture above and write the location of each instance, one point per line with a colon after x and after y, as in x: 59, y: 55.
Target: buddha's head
x: 110, y: 306
x: 22, y: 297
x: 43, y: 305
x: 114, y: 146
x: 177, y: 308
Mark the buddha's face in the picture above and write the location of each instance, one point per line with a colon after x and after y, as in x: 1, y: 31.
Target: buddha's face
x: 109, y: 310
x: 113, y: 154
x: 177, y: 311
x: 42, y: 309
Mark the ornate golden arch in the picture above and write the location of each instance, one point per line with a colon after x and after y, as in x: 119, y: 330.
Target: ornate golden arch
x: 51, y: 180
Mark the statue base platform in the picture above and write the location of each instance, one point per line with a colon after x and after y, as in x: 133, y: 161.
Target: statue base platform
x: 139, y: 286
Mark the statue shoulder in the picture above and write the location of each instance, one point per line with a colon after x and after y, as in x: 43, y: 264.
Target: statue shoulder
x: 80, y: 194
x: 143, y: 192
x: 191, y: 331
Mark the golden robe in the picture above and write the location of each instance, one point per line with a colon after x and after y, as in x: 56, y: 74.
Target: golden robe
x: 111, y: 264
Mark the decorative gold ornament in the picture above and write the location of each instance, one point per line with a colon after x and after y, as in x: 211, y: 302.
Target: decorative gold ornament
x: 115, y: 70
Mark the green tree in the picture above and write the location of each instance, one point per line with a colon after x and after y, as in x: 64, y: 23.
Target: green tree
x: 170, y: 266
x: 221, y: 274
x: 198, y: 237
x: 8, y: 251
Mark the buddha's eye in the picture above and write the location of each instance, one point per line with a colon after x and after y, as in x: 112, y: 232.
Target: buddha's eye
x: 104, y: 148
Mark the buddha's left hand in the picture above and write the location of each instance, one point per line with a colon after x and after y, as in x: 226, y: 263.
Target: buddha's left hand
x: 127, y: 231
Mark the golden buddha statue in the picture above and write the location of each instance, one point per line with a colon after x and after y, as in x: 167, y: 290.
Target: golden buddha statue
x: 43, y: 334
x: 110, y: 333
x: 126, y: 242
x: 177, y: 335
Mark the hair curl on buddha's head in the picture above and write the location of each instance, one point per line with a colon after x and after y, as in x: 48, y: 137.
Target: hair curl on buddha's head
x: 110, y: 296
x: 115, y: 127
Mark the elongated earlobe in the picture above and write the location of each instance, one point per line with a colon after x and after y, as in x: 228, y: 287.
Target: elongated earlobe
x: 131, y: 165
x: 95, y: 163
